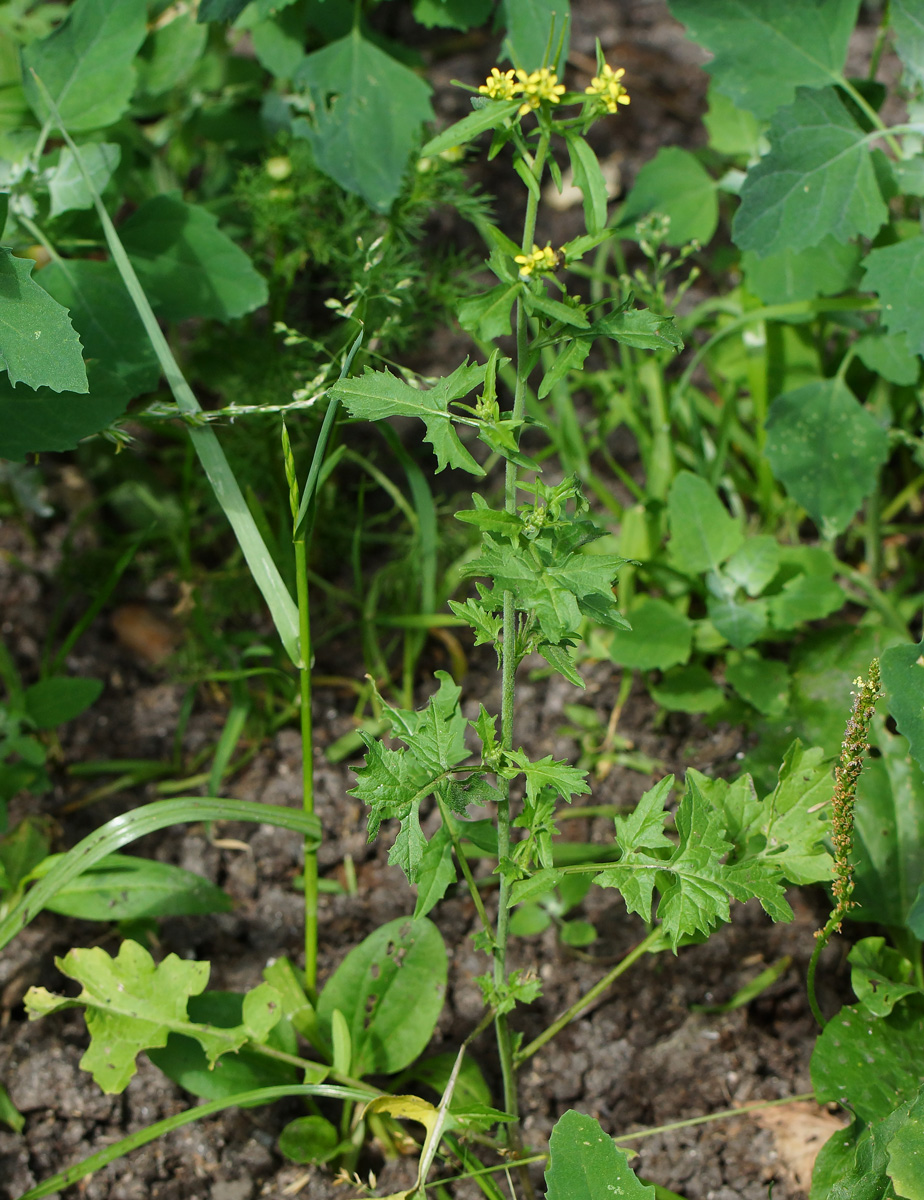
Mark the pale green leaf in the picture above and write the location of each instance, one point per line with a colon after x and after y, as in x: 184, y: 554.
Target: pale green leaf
x: 488, y: 315
x: 827, y: 449
x: 640, y: 328
x: 760, y: 681
x: 888, y: 355
x: 675, y: 185
x: 661, y: 637
x: 67, y: 187
x: 589, y: 179
x: 186, y: 265
x: 764, y: 49
x: 87, y: 63
x: 703, y: 534
x: 452, y: 14
x: 687, y: 689
x: 529, y: 24
x: 733, y: 131
x: 38, y: 344
x: 376, y: 395
x: 566, y: 781
x: 908, y: 24
x: 896, y: 275
x: 132, y: 1004
x: 818, y: 180
x: 368, y: 109
x: 170, y: 54
x: 879, y: 975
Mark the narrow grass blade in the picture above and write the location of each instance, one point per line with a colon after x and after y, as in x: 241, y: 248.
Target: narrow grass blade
x: 132, y: 825
x: 211, y: 456
x: 252, y: 1099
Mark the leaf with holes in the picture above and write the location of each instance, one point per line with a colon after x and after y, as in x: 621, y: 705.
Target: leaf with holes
x: 390, y: 988
x: 586, y: 1164
x: 132, y: 1004
x: 367, y: 113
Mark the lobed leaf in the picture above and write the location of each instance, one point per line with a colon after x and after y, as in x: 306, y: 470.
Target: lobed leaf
x: 896, y: 275
x: 375, y: 395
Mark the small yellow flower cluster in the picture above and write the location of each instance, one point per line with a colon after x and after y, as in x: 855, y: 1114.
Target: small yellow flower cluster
x: 608, y: 89
x: 534, y: 87
x: 537, y: 261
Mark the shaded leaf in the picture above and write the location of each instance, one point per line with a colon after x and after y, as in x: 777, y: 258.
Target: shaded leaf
x: 67, y: 187
x: 675, y: 185
x: 52, y: 420
x: 827, y: 449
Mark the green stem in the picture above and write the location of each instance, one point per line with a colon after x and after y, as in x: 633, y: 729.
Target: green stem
x: 821, y: 940
x: 307, y: 734
x: 465, y: 868
x: 644, y: 947
x: 509, y: 663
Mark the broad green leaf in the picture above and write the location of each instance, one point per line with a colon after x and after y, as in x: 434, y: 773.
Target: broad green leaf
x: 827, y: 450
x: 86, y: 63
x: 818, y: 180
x: 660, y: 637
x: 308, y: 1140
x: 67, y: 187
x: 60, y: 698
x: 186, y: 265
x: 124, y: 888
x: 908, y: 174
x: 529, y: 24
x: 765, y: 49
x: 763, y: 682
x: 368, y: 109
x: 132, y: 1005
x: 889, y: 832
x: 278, y: 39
x: 906, y: 1152
x: 390, y: 988
x: 888, y: 355
x: 38, y: 345
x: 903, y: 682
x: 452, y: 14
x: 754, y: 563
x: 589, y: 179
x: 879, y: 975
x: 488, y: 116
x: 376, y: 395
x: 437, y: 872
x: 703, y: 534
x: 908, y: 24
x: 733, y: 131
x: 677, y: 186
x: 804, y: 598
x: 105, y: 319
x: 529, y: 919
x: 896, y: 275
x: 687, y: 689
x: 488, y: 315
x: 170, y: 54
x: 51, y: 420
x: 740, y: 622
x: 823, y: 270
x: 854, y: 1041
x: 586, y: 1164
x: 184, y: 1060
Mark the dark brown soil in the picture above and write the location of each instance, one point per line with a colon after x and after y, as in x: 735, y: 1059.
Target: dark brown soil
x: 640, y: 1058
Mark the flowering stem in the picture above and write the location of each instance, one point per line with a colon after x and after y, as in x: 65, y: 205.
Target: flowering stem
x: 509, y: 660
x: 846, y: 777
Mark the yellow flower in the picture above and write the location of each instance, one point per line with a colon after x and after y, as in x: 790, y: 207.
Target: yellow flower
x: 607, y: 87
x: 538, y: 261
x: 539, y: 86
x: 499, y: 85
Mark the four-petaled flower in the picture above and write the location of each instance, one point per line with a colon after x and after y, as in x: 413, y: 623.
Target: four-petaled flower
x: 607, y: 87
x: 538, y: 86
x: 537, y: 261
x: 499, y: 85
